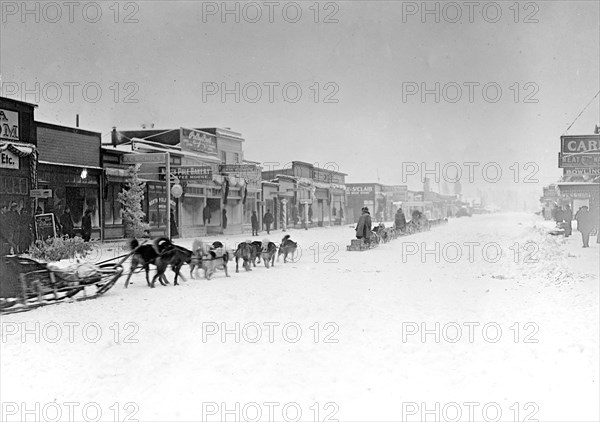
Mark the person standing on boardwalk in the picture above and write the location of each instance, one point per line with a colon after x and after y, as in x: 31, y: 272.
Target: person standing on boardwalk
x: 86, y: 226
x: 268, y: 220
x: 254, y: 221
x: 584, y: 224
x: 66, y: 223
x: 567, y: 216
x: 206, y: 215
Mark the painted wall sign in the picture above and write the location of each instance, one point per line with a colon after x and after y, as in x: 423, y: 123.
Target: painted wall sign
x: 188, y: 173
x: 359, y: 190
x: 197, y: 141
x: 9, y: 125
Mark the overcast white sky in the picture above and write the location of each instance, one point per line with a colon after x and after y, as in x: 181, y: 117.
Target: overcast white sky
x: 368, y: 55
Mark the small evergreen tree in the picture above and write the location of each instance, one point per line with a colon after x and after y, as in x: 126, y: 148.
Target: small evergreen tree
x: 131, y: 200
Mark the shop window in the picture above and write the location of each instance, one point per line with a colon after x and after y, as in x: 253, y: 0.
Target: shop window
x: 112, y: 206
x: 81, y: 199
x: 14, y: 185
x: 157, y: 205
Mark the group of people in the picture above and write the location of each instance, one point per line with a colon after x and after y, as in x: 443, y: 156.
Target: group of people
x: 364, y: 227
x: 586, y: 223
x: 16, y: 229
x: 67, y: 226
x: 267, y: 221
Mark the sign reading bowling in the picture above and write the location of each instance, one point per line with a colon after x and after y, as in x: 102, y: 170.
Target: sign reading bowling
x: 9, y: 125
x: 8, y: 160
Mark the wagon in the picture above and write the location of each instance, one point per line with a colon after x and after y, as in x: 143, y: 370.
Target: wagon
x: 26, y: 284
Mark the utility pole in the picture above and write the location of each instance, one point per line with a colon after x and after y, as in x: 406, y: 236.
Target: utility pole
x: 168, y: 180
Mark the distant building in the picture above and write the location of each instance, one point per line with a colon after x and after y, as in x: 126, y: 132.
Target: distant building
x: 313, y: 194
x: 199, y: 211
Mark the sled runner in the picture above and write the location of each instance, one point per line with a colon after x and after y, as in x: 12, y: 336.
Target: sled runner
x: 27, y: 284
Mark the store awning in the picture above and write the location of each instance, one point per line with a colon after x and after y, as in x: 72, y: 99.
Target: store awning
x: 70, y: 165
x: 17, y: 148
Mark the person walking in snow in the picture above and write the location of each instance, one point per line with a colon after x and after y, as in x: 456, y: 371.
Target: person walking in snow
x: 400, y: 220
x: 584, y: 224
x: 567, y: 216
x: 254, y: 221
x: 268, y: 220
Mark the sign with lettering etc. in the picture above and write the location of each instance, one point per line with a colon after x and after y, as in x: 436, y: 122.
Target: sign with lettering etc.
x: 8, y: 160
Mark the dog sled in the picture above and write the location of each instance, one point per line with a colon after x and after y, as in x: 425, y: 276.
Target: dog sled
x: 361, y: 245
x: 27, y: 284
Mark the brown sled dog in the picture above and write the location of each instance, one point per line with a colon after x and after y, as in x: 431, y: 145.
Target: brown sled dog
x: 243, y: 252
x: 287, y: 247
x: 269, y: 249
x: 216, y: 258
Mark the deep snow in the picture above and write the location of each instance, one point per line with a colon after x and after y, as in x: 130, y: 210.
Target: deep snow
x: 366, y: 364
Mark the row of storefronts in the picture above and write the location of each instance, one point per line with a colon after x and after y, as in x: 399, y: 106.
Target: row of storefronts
x: 47, y: 168
x: 579, y: 157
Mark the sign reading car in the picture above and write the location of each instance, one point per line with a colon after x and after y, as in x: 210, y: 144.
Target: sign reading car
x: 580, y: 143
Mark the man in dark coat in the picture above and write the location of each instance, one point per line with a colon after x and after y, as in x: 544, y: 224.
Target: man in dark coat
x: 11, y: 222
x: 206, y: 215
x: 584, y: 224
x: 86, y: 225
x: 268, y: 220
x: 174, y: 229
x: 363, y: 228
x: 224, y: 219
x: 400, y: 220
x: 254, y: 221
x: 26, y: 230
x: 66, y: 223
x: 567, y: 216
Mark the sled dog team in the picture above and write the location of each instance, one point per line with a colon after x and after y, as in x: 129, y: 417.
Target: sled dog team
x: 162, y: 252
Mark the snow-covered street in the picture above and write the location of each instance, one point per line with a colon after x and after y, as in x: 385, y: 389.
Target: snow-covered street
x: 435, y: 325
